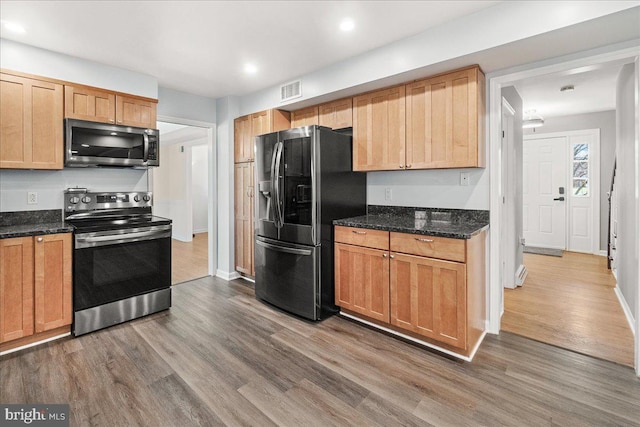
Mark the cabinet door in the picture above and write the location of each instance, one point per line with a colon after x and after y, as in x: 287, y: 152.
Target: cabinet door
x: 379, y: 130
x: 89, y: 104
x: 337, y: 114
x: 135, y: 112
x: 304, y: 117
x: 16, y: 288
x: 362, y: 281
x: 244, y: 218
x: 31, y: 113
x: 443, y: 120
x: 52, y: 281
x: 261, y: 123
x: 429, y: 297
x: 242, y: 139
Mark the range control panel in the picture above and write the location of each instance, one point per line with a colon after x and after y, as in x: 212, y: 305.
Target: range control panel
x: 79, y: 199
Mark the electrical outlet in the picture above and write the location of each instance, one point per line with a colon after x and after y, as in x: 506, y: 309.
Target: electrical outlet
x: 32, y: 198
x: 464, y: 178
x: 387, y: 194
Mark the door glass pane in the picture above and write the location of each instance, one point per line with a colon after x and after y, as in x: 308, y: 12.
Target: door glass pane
x: 581, y: 152
x: 297, y: 181
x: 580, y: 187
x: 580, y: 169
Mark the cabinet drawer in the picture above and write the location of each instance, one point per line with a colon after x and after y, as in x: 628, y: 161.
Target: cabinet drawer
x: 430, y: 246
x: 362, y: 237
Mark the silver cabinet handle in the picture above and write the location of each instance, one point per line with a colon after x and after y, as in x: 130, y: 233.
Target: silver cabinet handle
x: 40, y: 239
x: 424, y: 240
x: 392, y: 256
x: 408, y: 166
x: 401, y: 167
x: 358, y: 232
x: 384, y: 255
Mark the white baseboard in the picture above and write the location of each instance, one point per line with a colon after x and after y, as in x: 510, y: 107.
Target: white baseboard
x: 248, y: 279
x: 33, y: 344
x: 202, y: 230
x: 626, y: 309
x: 603, y: 253
x: 521, y: 274
x: 225, y: 275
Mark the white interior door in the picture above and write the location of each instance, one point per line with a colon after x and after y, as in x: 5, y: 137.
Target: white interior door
x: 544, y: 179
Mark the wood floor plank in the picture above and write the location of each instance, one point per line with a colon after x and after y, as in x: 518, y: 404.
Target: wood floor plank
x: 220, y: 357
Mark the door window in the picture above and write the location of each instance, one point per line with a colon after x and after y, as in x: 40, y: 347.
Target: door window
x: 580, y: 169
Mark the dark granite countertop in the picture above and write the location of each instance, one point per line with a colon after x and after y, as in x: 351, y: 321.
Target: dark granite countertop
x: 32, y: 223
x: 452, y: 223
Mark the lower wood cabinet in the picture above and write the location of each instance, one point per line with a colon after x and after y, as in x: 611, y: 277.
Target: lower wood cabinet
x: 35, y: 285
x: 438, y: 298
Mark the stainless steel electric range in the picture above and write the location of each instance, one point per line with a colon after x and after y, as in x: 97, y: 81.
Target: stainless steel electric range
x: 121, y: 258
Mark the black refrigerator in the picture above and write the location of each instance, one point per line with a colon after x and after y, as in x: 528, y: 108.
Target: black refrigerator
x: 304, y: 181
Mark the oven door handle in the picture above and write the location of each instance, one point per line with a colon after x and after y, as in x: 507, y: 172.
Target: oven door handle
x: 114, y: 239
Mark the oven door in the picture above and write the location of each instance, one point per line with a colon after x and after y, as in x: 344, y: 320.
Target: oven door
x: 117, y: 264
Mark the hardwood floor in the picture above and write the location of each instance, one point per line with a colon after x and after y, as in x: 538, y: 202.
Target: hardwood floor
x: 220, y: 357
x: 189, y: 260
x: 570, y: 302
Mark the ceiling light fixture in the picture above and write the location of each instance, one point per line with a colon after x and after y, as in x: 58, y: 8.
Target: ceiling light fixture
x: 13, y: 27
x: 567, y: 88
x: 532, y: 120
x: 347, y: 25
x: 250, y: 69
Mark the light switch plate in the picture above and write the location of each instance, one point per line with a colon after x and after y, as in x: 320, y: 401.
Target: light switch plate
x: 388, y: 195
x: 32, y: 198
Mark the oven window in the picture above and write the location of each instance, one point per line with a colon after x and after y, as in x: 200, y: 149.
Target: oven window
x: 105, y: 274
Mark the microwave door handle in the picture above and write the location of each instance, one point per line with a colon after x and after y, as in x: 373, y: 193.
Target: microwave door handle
x: 145, y: 148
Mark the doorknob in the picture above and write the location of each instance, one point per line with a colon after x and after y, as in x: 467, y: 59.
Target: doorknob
x: 559, y: 198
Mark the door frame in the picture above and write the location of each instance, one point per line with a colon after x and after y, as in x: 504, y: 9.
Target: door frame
x: 507, y: 160
x: 627, y: 51
x: 594, y: 177
x: 212, y: 220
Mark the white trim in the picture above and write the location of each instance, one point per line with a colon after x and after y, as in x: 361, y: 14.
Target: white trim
x: 594, y: 178
x: 33, y: 344
x: 248, y: 279
x: 603, y: 253
x: 496, y: 80
x: 626, y: 309
x: 417, y: 341
x: 201, y: 230
x: 228, y: 276
x: 637, y: 193
x: 212, y: 244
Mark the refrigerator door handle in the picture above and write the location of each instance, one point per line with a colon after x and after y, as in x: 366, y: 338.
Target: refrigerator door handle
x: 277, y: 248
x: 276, y: 173
x: 274, y: 182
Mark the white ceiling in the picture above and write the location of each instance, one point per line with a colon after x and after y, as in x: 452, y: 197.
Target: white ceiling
x: 202, y: 47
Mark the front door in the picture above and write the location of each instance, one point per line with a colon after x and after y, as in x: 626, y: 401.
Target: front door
x: 544, y: 192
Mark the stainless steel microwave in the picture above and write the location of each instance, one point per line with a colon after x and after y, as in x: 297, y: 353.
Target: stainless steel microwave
x: 99, y: 144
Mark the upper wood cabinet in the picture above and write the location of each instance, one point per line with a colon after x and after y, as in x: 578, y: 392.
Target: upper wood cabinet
x: 246, y: 128
x: 336, y: 114
x: 35, y: 285
x: 31, y: 132
x: 445, y: 121
x: 379, y: 130
x: 97, y: 105
x: 304, y: 117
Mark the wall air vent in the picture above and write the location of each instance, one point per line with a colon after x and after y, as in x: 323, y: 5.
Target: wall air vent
x: 290, y: 91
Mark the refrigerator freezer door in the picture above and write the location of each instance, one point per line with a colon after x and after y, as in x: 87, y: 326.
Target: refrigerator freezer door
x: 287, y: 276
x: 266, y: 148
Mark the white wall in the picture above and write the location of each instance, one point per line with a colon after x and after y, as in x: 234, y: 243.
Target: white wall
x: 33, y: 60
x: 199, y: 187
x: 173, y: 103
x: 50, y: 185
x: 430, y: 188
x: 172, y: 185
x: 627, y: 250
x: 606, y: 122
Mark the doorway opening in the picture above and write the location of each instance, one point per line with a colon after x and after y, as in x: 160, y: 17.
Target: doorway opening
x: 570, y: 301
x: 181, y: 186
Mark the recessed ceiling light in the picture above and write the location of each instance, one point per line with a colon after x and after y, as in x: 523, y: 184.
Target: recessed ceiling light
x: 567, y: 88
x: 347, y: 24
x: 13, y: 27
x: 250, y: 69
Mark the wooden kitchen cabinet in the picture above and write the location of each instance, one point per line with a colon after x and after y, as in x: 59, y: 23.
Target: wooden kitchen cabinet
x: 35, y: 288
x: 379, y: 130
x: 31, y: 130
x: 336, y: 114
x: 428, y: 297
x: 246, y: 128
x: 430, y: 288
x: 99, y: 105
x: 362, y: 280
x: 244, y: 200
x: 445, y: 121
x: 304, y: 117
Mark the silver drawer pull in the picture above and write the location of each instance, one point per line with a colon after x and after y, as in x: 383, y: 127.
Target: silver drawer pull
x: 358, y: 232
x: 424, y: 240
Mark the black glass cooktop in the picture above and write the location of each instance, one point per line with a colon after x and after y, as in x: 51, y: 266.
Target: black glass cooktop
x: 88, y: 225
